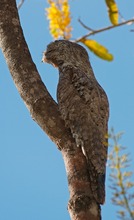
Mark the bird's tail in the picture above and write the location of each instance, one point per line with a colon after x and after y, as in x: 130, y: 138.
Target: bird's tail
x: 97, y: 181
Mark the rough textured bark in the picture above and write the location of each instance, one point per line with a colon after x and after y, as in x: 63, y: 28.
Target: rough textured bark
x: 82, y: 205
x: 44, y: 111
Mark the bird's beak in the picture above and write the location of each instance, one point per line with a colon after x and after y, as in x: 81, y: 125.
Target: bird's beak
x: 44, y: 57
x: 44, y: 60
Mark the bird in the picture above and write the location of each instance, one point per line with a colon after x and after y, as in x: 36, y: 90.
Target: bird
x: 84, y: 107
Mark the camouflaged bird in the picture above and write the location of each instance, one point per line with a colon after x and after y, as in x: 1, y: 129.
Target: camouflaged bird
x: 84, y: 107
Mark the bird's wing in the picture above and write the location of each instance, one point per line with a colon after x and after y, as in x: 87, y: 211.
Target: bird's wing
x: 92, y: 118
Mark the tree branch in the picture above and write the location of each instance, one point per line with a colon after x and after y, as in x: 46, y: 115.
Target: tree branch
x: 93, y: 32
x: 42, y: 107
x: 44, y: 111
x: 85, y: 26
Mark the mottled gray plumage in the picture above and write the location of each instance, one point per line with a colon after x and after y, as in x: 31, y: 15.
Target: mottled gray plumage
x: 83, y: 105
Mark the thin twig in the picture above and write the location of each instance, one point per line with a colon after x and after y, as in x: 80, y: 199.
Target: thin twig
x: 104, y: 29
x: 121, y: 16
x: 20, y: 4
x: 85, y: 26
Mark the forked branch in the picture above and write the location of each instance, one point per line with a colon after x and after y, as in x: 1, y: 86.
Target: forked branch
x: 93, y: 32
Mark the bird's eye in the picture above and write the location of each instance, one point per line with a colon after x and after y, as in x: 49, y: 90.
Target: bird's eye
x: 49, y: 51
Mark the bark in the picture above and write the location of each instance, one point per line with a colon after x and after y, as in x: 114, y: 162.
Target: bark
x: 44, y: 111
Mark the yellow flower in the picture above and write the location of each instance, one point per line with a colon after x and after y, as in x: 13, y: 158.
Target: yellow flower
x: 59, y: 18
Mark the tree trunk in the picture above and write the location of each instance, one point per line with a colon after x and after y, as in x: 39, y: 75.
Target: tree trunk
x: 44, y: 110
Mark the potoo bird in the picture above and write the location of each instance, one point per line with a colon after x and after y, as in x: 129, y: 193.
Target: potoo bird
x: 84, y: 107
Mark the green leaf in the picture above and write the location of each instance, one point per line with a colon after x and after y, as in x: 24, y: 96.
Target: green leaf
x: 97, y: 49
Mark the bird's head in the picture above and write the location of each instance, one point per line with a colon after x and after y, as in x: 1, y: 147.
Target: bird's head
x: 64, y: 52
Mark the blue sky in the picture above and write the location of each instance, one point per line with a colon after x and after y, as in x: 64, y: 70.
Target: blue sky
x: 33, y: 184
